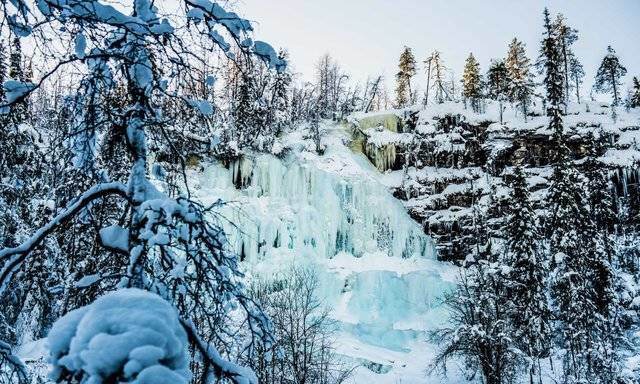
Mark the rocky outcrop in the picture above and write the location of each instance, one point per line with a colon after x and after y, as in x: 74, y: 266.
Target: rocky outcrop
x: 446, y: 161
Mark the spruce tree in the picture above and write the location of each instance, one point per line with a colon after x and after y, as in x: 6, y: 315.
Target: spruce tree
x: 406, y: 71
x: 498, y: 84
x: 521, y: 86
x: 553, y: 79
x: 472, y: 82
x: 529, y: 313
x: 609, y: 75
x: 570, y: 288
x: 279, y: 111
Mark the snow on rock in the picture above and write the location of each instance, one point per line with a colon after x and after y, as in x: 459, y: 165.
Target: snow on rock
x: 377, y: 269
x: 130, y: 332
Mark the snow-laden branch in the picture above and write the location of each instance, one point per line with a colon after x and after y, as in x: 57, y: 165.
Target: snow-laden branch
x: 12, y: 258
x: 223, y: 368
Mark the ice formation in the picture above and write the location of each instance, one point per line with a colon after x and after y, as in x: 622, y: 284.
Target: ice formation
x: 377, y: 269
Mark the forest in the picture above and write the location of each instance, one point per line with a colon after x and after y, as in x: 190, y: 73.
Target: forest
x: 177, y: 205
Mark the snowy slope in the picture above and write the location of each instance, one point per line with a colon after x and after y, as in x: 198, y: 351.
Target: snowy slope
x: 377, y: 269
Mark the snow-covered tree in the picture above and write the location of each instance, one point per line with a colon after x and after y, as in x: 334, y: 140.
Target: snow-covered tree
x: 472, y: 83
x: 480, y: 333
x: 18, y: 112
x: 279, y: 111
x: 170, y: 246
x: 406, y: 71
x: 330, y: 80
x: 609, y: 74
x: 498, y: 84
x: 529, y: 313
x: 634, y: 95
x: 521, y: 85
x: 551, y: 61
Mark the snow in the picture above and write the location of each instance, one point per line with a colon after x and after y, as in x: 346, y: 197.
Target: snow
x: 334, y: 214
x: 203, y: 106
x: 115, y: 237
x: 129, y: 331
x: 16, y: 89
x: 88, y: 280
x: 80, y: 45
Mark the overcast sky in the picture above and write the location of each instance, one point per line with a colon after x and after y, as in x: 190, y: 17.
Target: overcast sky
x: 367, y: 36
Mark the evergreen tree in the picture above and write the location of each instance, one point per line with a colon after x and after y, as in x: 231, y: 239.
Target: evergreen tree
x: 498, y: 84
x: 521, y: 86
x: 472, y: 82
x: 634, y: 96
x: 566, y: 37
x: 482, y: 333
x: 576, y: 73
x: 570, y: 288
x: 583, y: 282
x: 609, y: 75
x: 406, y: 70
x: 279, y: 110
x: 529, y: 313
x: 15, y: 61
x: 553, y: 80
x: 18, y: 112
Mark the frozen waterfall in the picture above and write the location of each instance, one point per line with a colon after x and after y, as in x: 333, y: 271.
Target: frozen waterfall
x: 376, y: 267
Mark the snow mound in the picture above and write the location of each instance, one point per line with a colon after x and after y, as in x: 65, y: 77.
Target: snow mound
x: 130, y: 334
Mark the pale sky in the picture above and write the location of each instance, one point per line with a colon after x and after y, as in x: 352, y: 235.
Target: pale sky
x: 367, y: 36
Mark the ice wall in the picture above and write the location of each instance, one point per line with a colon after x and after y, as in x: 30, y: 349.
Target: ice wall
x: 376, y: 267
x: 299, y: 207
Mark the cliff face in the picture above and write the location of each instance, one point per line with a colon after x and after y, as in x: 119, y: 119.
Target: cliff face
x: 446, y: 160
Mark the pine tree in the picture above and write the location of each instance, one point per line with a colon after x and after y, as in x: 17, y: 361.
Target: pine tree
x: 553, y: 80
x: 576, y: 73
x: 406, y: 70
x: 472, y: 82
x: 521, y: 86
x: 566, y: 37
x: 528, y: 311
x: 609, y: 74
x: 498, y: 84
x: 634, y: 96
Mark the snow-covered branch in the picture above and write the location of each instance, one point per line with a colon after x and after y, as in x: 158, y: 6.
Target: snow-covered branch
x: 222, y: 367
x: 12, y: 258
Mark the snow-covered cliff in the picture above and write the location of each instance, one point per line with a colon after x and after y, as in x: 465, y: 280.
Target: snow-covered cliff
x: 377, y: 269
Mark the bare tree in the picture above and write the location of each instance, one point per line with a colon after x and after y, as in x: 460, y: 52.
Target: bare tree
x: 303, y: 352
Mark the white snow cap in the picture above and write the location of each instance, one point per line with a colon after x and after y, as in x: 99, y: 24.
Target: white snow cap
x: 130, y: 334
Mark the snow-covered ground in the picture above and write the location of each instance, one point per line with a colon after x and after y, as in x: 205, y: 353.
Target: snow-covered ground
x: 376, y: 268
